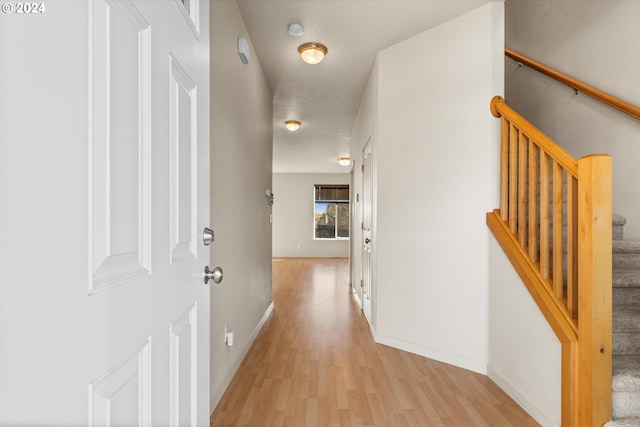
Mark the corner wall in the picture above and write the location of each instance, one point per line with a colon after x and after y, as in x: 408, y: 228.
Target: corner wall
x: 241, y: 158
x: 436, y: 165
x: 293, y: 222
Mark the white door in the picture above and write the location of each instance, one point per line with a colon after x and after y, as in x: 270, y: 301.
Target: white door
x: 354, y: 200
x: 104, y: 193
x: 367, y: 224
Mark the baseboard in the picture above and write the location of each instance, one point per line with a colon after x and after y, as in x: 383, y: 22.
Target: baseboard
x: 356, y: 297
x: 373, y: 331
x: 431, y: 353
x: 531, y: 408
x: 216, y: 395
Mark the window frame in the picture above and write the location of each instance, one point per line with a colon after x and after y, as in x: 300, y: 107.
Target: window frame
x: 346, y: 202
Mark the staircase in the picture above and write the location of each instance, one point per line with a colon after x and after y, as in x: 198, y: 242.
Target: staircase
x: 569, y: 269
x: 626, y: 328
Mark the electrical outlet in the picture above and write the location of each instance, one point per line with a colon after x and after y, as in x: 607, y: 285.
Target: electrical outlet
x: 228, y: 336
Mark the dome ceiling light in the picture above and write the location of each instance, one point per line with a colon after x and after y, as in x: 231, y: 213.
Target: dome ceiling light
x: 312, y: 53
x: 292, y: 125
x: 344, y: 161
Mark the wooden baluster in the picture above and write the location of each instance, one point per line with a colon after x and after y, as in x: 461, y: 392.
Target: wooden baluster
x: 544, y: 214
x: 522, y: 189
x: 513, y: 178
x: 533, y: 201
x: 504, y: 169
x: 572, y: 246
x: 557, y: 231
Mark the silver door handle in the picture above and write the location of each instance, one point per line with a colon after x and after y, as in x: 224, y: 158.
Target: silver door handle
x: 208, y: 236
x: 367, y: 240
x: 216, y: 275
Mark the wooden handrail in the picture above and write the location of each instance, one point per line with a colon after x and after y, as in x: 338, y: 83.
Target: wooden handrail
x: 500, y: 108
x: 601, y: 96
x: 564, y: 263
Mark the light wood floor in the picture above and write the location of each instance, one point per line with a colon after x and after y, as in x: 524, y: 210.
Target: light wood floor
x: 315, y: 364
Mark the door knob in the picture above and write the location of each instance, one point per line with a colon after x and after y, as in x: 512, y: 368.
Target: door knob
x: 216, y: 275
x: 367, y: 240
x: 207, y: 236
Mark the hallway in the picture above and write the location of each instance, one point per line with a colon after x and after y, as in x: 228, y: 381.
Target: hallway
x: 315, y: 364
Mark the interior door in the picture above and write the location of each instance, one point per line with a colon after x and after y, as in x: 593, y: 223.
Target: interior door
x: 367, y: 223
x: 354, y: 200
x: 104, y: 182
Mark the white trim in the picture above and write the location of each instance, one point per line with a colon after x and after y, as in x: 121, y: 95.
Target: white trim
x: 530, y: 407
x: 192, y: 16
x: 216, y: 395
x: 373, y: 331
x: 431, y: 353
x: 356, y: 297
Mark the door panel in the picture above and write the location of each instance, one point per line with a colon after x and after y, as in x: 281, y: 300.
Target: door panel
x: 123, y: 393
x: 184, y: 156
x: 184, y: 369
x: 119, y: 85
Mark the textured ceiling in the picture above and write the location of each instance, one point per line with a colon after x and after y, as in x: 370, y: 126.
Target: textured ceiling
x: 326, y: 97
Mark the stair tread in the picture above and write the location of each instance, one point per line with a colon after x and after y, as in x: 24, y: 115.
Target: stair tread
x: 624, y: 422
x: 626, y: 319
x: 626, y: 246
x: 626, y: 278
x: 626, y: 373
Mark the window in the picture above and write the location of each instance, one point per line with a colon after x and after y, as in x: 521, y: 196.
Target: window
x: 331, y: 212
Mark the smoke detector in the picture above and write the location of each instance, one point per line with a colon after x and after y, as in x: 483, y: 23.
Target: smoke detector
x: 295, y: 30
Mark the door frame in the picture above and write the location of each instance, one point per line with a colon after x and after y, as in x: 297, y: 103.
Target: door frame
x: 368, y: 307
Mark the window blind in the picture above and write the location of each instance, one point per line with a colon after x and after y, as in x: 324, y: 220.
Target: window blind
x: 332, y: 193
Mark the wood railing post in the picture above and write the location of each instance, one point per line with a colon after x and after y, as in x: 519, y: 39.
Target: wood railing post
x: 594, y: 290
x: 570, y: 384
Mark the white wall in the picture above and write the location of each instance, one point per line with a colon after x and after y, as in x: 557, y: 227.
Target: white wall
x: 524, y: 352
x: 293, y: 217
x: 596, y: 42
x: 241, y: 157
x: 436, y: 144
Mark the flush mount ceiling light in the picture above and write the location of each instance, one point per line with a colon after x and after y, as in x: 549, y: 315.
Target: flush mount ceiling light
x: 312, y: 53
x: 292, y: 125
x: 344, y: 161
